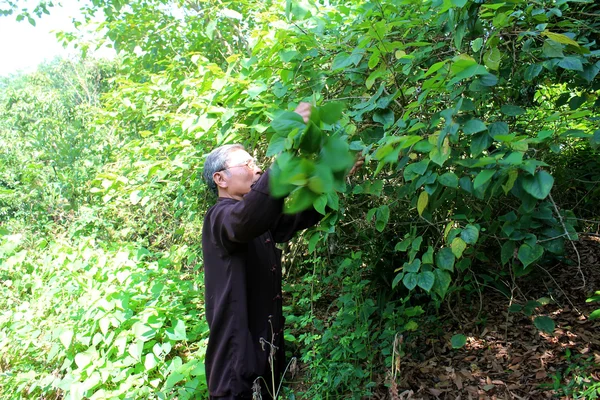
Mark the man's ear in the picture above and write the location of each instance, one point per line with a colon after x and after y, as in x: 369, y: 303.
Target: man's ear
x: 220, y: 180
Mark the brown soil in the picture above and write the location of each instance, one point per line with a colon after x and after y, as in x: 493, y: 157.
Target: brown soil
x: 506, y: 356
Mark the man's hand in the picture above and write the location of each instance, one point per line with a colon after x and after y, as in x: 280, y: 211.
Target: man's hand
x: 304, y: 109
x: 360, y: 160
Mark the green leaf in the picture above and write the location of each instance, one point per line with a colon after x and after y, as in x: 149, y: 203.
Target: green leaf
x: 445, y: 259
x: 515, y: 308
x: 397, y: 279
x: 448, y: 179
x: 374, y: 60
x: 552, y: 49
x: 255, y: 89
x: 173, y: 379
x: 528, y: 254
x: 458, y: 341
x: 378, y: 73
x: 415, y: 169
x: 458, y: 246
x: 333, y: 201
x: 231, y: 13
x: 594, y: 315
x: 331, y: 112
x: 571, y: 63
x: 320, y: 203
x: 384, y: 117
x: 422, y: 202
x: 425, y: 280
x: 288, y: 55
x: 312, y: 243
x: 488, y: 80
x: 342, y: 60
x: 416, y: 243
x: 403, y: 245
x: 473, y: 126
x: 382, y: 215
x: 84, y: 358
x: 559, y: 38
x: 476, y: 44
x: 300, y: 199
x: 276, y: 145
x: 440, y: 155
x: 442, y: 282
x: 590, y: 71
x: 544, y: 324
x: 414, y: 266
x: 513, y: 174
x: 498, y: 128
x: 459, y: 3
x: 434, y: 68
x: 532, y: 71
x: 470, y: 234
x: 508, y: 251
x: 514, y: 158
x: 177, y: 332
x: 483, y: 177
x: 322, y: 180
x: 142, y: 331
x: 150, y: 361
x: 311, y: 138
x: 469, y: 72
x: 492, y: 58
x: 511, y: 111
x: 538, y: 185
x: 480, y: 142
x: 135, y: 350
x: 410, y: 280
x: 576, y: 102
x: 427, y: 257
x: 285, y: 122
x: 66, y: 337
x: 135, y: 197
x: 336, y: 154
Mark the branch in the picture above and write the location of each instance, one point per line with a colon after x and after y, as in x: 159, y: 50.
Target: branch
x: 562, y: 222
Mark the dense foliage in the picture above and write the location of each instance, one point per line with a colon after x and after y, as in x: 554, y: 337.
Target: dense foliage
x: 477, y: 121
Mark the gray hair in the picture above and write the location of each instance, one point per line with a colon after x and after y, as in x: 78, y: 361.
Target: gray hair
x: 217, y: 161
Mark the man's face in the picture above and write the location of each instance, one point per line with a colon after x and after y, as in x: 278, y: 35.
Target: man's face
x: 240, y: 173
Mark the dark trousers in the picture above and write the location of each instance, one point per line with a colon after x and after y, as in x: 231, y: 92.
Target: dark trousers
x: 232, y: 397
x: 265, y: 396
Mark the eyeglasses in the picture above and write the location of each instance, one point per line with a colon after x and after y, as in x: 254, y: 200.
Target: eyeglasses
x: 250, y: 163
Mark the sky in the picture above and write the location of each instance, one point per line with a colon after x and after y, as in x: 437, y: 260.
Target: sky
x: 23, y: 46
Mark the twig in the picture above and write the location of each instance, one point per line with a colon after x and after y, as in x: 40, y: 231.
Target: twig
x: 480, y: 294
x: 572, y: 241
x: 559, y: 288
x: 292, y: 363
x: 586, y: 220
x: 552, y: 238
x: 512, y: 297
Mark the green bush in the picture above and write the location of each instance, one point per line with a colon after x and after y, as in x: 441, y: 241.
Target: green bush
x: 82, y: 320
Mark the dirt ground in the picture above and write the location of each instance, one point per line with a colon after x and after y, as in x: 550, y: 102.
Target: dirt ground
x: 506, y: 356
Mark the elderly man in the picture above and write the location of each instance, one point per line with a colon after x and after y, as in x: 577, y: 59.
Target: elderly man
x: 242, y: 273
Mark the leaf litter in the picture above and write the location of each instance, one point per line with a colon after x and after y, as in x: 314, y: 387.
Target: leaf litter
x: 505, y: 355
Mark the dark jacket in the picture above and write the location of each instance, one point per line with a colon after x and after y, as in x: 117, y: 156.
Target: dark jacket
x: 242, y: 276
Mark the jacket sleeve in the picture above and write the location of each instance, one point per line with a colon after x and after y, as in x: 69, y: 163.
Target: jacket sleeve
x: 287, y: 225
x: 256, y: 213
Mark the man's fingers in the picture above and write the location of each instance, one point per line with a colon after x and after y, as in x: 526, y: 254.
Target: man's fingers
x: 304, y: 110
x: 359, y: 163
